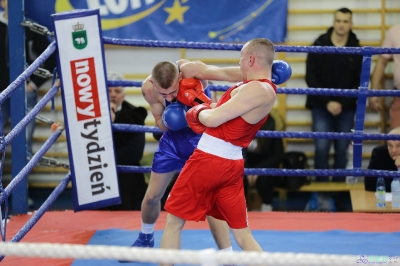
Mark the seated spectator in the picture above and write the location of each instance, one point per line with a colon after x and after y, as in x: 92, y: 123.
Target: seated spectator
x: 129, y: 147
x: 384, y: 157
x: 264, y: 153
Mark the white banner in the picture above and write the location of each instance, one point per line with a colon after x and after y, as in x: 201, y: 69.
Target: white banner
x: 86, y: 109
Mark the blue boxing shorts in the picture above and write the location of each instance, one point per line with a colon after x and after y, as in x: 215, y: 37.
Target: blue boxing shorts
x: 174, y: 149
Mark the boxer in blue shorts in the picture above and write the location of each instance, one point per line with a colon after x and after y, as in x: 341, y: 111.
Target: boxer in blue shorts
x: 178, y: 141
x: 174, y: 148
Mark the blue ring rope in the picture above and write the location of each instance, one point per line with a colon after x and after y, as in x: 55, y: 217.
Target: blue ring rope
x: 358, y: 136
x: 308, y: 91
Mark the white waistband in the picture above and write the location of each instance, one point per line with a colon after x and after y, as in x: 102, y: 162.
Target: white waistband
x: 219, y: 147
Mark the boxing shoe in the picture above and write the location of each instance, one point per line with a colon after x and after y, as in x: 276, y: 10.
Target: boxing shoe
x: 143, y: 241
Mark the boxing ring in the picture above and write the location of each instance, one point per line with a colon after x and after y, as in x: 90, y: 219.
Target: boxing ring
x: 101, y: 238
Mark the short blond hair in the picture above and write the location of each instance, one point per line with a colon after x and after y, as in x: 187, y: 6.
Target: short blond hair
x: 263, y: 49
x: 164, y: 74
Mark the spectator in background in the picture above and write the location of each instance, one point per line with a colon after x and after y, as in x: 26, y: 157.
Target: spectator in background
x: 35, y: 44
x: 384, y: 157
x: 264, y: 153
x: 392, y: 40
x: 339, y: 71
x: 129, y: 146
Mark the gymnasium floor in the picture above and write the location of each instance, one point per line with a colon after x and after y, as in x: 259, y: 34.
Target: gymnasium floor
x: 334, y: 233
x: 289, y: 229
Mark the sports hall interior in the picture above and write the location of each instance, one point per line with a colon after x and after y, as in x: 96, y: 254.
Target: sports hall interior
x: 307, y: 19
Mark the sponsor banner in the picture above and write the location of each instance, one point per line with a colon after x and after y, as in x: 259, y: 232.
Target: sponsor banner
x: 86, y: 109
x: 178, y: 20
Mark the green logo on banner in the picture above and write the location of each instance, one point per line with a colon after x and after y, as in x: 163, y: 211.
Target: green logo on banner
x: 79, y: 38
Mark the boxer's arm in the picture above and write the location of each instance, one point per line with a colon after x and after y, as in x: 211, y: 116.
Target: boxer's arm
x: 192, y: 117
x: 376, y: 79
x: 197, y: 69
x: 244, y: 103
x: 156, y: 107
x: 180, y: 62
x: 157, y: 110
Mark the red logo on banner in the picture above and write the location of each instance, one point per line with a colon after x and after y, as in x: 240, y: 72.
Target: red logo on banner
x: 85, y: 89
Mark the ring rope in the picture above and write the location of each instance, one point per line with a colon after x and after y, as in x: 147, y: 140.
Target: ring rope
x: 29, y: 117
x: 27, y: 73
x: 46, y: 250
x: 169, y: 256
x: 277, y: 134
x: 42, y: 210
x: 32, y: 163
x: 307, y: 91
x: 286, y: 172
x: 238, y: 47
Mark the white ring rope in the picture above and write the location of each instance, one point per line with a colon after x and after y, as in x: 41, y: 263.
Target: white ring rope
x: 48, y: 250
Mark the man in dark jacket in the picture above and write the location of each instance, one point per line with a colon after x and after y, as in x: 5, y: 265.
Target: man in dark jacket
x: 384, y: 157
x: 129, y: 147
x: 339, y: 71
x: 333, y: 113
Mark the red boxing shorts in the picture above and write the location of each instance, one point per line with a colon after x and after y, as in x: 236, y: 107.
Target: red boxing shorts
x: 210, y: 185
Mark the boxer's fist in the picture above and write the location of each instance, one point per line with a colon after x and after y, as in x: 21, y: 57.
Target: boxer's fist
x: 191, y: 92
x: 281, y: 72
x: 174, y: 117
x: 192, y: 117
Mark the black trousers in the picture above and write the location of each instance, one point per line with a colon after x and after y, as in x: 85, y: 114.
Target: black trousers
x: 265, y: 187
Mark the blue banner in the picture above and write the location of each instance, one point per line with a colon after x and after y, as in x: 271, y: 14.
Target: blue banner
x: 177, y: 20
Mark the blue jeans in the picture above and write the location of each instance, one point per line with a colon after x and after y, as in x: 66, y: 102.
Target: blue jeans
x: 324, y: 121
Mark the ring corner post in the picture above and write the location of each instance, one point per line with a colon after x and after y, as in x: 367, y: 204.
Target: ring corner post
x: 17, y: 66
x: 361, y: 106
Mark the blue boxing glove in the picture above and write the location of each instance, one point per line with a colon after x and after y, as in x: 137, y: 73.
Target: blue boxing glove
x: 281, y: 72
x: 174, y: 116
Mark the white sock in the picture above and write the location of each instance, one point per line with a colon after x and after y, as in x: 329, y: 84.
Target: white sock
x: 227, y: 249
x: 147, y: 228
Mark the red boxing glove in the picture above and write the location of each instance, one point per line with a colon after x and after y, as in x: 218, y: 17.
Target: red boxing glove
x: 192, y: 117
x: 191, y: 92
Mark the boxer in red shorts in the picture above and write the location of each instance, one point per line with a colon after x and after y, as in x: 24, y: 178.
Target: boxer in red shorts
x: 221, y: 181
x: 211, y: 182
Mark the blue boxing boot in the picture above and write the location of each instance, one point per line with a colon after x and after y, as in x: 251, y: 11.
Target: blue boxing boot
x: 143, y: 241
